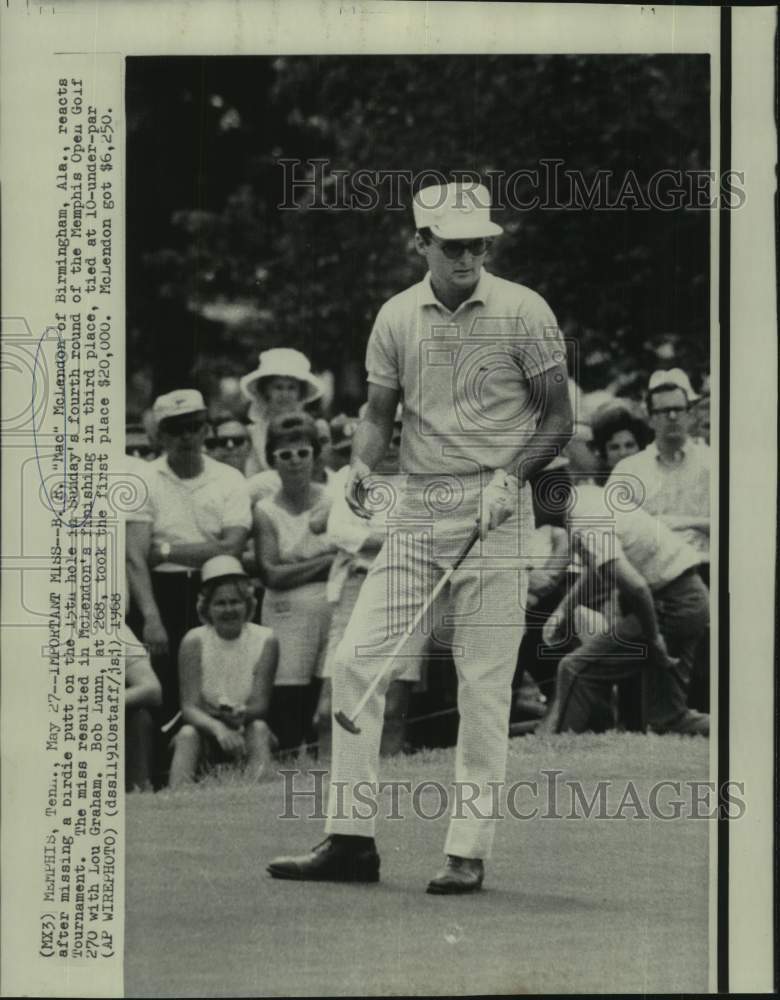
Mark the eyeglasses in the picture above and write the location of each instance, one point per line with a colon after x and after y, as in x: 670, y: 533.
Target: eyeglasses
x: 188, y: 427
x: 668, y: 411
x: 140, y: 450
x: 285, y: 454
x: 453, y: 249
x: 228, y: 441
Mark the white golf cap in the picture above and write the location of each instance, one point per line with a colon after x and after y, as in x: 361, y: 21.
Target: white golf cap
x: 178, y: 403
x: 221, y: 566
x: 675, y: 378
x: 455, y: 211
x: 283, y: 362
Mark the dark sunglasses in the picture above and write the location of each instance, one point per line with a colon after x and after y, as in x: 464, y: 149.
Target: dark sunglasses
x: 453, y: 249
x: 285, y: 454
x: 227, y: 441
x: 188, y: 427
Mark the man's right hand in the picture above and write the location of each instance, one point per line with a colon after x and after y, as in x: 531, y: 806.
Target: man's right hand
x: 155, y: 637
x: 355, y: 489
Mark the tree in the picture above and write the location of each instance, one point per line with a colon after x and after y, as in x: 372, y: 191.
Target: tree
x: 217, y: 271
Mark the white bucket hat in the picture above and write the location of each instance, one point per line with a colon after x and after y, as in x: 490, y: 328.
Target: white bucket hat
x: 455, y: 211
x: 283, y: 362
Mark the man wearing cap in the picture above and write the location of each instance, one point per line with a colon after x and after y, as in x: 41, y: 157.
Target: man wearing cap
x: 196, y: 509
x: 672, y: 474
x: 479, y: 365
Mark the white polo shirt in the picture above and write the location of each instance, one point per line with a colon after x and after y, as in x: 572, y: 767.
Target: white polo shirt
x: 135, y: 473
x: 464, y: 375
x: 680, y: 487
x: 607, y: 532
x: 184, y: 511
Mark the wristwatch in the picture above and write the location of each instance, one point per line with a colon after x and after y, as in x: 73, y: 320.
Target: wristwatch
x: 165, y: 549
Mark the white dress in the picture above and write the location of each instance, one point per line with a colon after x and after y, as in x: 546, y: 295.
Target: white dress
x: 228, y: 665
x: 300, y: 618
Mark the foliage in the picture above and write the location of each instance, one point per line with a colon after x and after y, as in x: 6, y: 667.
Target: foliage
x: 217, y: 272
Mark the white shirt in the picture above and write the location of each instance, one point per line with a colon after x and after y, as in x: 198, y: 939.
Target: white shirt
x: 669, y: 488
x: 228, y: 665
x: 609, y: 531
x: 186, y: 511
x: 135, y: 476
x: 464, y: 375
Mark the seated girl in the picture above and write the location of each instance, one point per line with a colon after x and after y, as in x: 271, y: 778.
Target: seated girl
x: 226, y: 674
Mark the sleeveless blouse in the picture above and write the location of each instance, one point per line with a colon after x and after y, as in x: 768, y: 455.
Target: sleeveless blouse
x: 227, y: 665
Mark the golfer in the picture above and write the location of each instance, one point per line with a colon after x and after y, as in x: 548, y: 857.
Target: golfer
x: 479, y: 365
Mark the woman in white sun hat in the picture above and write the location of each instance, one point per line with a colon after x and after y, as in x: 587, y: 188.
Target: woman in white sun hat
x: 282, y: 383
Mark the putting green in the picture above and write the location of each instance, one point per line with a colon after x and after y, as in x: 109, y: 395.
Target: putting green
x: 569, y: 905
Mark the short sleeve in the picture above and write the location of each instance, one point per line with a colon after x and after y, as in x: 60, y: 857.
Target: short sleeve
x: 238, y: 513
x: 596, y: 545
x: 382, y: 362
x: 138, y: 478
x: 540, y: 343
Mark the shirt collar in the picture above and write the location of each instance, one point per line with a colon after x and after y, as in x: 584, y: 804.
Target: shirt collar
x: 161, y: 464
x: 680, y: 454
x: 480, y: 293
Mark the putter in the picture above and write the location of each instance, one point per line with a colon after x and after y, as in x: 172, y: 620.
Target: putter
x: 348, y: 721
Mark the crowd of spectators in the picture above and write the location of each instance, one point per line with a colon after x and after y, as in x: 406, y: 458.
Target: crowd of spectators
x: 244, y: 563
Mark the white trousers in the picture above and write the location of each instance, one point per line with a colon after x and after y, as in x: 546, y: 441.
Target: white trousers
x: 487, y: 594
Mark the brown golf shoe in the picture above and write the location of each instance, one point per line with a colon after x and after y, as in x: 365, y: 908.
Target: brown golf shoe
x: 331, y: 861
x: 458, y: 875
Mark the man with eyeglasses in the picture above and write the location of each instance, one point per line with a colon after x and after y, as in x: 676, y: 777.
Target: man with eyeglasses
x: 196, y: 508
x: 673, y: 471
x: 479, y: 365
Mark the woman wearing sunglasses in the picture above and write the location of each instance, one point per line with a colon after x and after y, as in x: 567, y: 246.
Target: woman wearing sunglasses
x: 294, y: 563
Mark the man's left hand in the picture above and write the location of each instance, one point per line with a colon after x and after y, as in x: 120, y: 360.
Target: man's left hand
x: 496, y: 502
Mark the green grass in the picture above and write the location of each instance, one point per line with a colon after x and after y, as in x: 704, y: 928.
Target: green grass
x: 568, y: 905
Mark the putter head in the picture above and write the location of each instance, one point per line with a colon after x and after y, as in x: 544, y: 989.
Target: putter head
x: 345, y: 722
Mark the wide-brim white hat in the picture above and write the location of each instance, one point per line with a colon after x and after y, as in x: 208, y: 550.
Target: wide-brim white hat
x: 455, y: 211
x: 283, y: 362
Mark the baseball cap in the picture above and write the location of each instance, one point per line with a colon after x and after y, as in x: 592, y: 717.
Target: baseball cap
x: 220, y: 566
x: 673, y: 378
x: 178, y: 403
x: 455, y: 211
